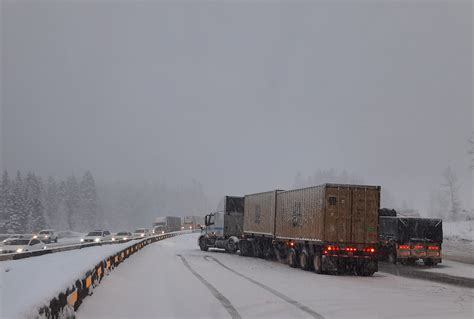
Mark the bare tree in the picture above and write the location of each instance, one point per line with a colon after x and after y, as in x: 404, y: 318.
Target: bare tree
x: 451, y: 188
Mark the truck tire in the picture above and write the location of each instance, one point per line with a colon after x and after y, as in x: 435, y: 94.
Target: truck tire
x: 305, y: 262
x: 292, y: 258
x: 318, y: 263
x: 232, y: 245
x: 428, y: 262
x: 203, y: 244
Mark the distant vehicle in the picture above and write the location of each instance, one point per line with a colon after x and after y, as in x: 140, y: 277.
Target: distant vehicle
x: 97, y: 236
x: 47, y: 236
x: 192, y: 222
x: 122, y: 236
x: 141, y: 233
x: 166, y: 224
x: 407, y: 239
x: 21, y: 245
x: 13, y: 237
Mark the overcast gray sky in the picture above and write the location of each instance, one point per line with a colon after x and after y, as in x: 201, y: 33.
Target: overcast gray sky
x: 238, y: 95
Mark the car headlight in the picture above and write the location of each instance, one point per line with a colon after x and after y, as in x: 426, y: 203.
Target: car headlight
x: 19, y: 250
x: 125, y: 238
x: 35, y: 236
x: 113, y: 239
x: 162, y: 231
x: 46, y: 236
x: 97, y: 240
x: 82, y: 240
x: 143, y: 235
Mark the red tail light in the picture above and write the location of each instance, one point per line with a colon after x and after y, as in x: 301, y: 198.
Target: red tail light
x: 433, y: 247
x: 419, y: 247
x: 370, y: 250
x: 404, y: 247
x: 332, y: 248
x: 351, y: 249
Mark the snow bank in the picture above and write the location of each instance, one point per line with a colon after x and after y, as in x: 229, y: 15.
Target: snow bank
x: 460, y: 230
x: 27, y: 284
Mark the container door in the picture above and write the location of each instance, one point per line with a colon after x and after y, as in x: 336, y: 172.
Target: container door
x: 338, y: 214
x: 365, y: 204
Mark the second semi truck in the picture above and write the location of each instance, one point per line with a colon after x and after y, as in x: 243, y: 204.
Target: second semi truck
x: 328, y: 228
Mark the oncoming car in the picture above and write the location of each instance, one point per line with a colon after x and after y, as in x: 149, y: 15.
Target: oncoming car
x: 21, y: 245
x: 97, y: 236
x: 47, y: 236
x: 122, y: 236
x: 141, y: 233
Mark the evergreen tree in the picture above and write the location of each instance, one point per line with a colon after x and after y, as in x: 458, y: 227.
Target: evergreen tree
x: 51, y: 203
x: 17, y: 222
x: 72, y: 203
x: 5, y: 201
x: 34, y: 206
x: 91, y: 216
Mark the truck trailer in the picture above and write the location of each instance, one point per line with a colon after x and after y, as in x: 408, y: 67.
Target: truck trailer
x: 407, y: 239
x: 224, y: 229
x: 192, y: 222
x: 328, y: 228
x: 166, y: 224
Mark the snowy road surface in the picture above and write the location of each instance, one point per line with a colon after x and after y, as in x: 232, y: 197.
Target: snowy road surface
x: 173, y: 278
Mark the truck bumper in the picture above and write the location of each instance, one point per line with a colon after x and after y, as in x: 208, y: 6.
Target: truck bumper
x: 346, y: 263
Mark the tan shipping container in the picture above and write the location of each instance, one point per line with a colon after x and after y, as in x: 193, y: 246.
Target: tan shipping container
x: 259, y: 213
x: 336, y: 213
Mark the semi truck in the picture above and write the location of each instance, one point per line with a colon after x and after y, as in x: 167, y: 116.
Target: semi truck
x: 192, y: 222
x: 408, y: 239
x: 327, y: 228
x: 224, y: 228
x: 166, y: 224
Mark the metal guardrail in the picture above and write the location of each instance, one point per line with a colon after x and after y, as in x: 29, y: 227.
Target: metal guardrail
x: 68, y: 301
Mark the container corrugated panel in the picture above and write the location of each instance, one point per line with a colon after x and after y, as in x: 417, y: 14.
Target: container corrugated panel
x: 300, y: 214
x: 259, y: 216
x: 365, y: 214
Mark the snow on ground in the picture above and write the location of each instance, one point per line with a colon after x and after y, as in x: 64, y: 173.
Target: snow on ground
x: 461, y: 230
x: 26, y: 284
x: 452, y: 268
x: 158, y: 283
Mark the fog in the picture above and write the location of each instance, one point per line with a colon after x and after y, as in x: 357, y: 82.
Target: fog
x: 240, y: 97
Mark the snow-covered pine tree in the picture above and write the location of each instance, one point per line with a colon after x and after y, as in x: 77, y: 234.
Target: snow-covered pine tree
x: 90, y: 210
x: 34, y: 205
x: 51, y: 203
x: 72, y: 203
x: 4, y: 193
x: 17, y: 221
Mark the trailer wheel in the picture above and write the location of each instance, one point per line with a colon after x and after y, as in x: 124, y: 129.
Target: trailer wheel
x: 428, y: 262
x: 318, y: 264
x: 292, y: 258
x: 304, y: 260
x: 231, y: 246
x: 202, y: 244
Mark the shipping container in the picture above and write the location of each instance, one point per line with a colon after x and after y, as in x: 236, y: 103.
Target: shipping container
x: 259, y: 214
x: 166, y: 224
x: 334, y: 213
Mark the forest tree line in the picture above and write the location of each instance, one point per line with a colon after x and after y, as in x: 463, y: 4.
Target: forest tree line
x: 28, y: 203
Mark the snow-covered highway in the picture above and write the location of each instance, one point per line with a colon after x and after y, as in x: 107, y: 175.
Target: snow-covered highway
x: 173, y: 278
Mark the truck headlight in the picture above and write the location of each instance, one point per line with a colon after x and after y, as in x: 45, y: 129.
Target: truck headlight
x: 113, y: 239
x: 82, y: 240
x: 97, y: 240
x: 162, y: 231
x: 143, y: 235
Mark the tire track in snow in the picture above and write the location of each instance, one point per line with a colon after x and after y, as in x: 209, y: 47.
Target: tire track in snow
x: 295, y: 303
x: 222, y: 299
